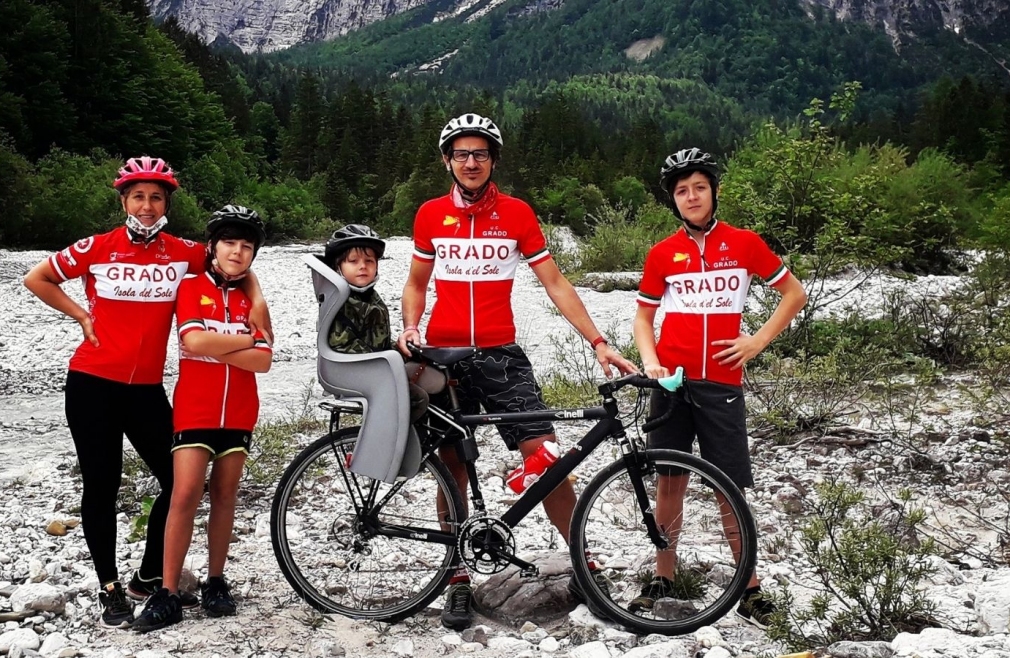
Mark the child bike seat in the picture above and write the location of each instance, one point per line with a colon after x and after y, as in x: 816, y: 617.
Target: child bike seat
x: 388, y: 447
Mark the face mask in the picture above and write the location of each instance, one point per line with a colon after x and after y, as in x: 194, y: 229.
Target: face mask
x: 141, y: 233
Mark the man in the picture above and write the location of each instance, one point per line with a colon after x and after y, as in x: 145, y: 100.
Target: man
x: 471, y: 240
x: 700, y: 276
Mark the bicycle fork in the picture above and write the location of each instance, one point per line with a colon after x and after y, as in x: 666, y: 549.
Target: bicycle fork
x: 637, y: 465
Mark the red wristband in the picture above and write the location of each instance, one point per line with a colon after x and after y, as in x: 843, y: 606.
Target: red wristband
x: 598, y: 340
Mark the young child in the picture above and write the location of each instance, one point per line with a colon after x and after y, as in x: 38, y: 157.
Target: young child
x: 216, y: 405
x: 700, y: 276
x: 362, y: 325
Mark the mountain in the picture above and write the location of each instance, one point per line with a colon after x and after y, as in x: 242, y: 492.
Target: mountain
x: 271, y: 25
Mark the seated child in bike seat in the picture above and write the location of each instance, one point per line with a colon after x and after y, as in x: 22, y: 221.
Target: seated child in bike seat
x: 362, y: 325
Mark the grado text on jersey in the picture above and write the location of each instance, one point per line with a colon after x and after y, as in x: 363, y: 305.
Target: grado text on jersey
x: 477, y: 259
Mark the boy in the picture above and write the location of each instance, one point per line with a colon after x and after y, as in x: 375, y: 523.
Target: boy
x: 216, y: 405
x: 362, y: 325
x: 700, y: 276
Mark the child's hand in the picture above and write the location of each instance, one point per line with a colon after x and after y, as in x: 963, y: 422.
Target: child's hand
x: 741, y: 350
x: 656, y: 371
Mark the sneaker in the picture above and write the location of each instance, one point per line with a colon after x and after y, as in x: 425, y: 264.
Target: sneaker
x: 163, y: 609
x: 216, y: 598
x: 661, y: 587
x: 140, y: 589
x: 755, y: 609
x: 118, y: 611
x: 457, y: 613
x: 575, y: 589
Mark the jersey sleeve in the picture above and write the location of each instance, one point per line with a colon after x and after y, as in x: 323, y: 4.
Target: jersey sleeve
x: 533, y: 244
x: 653, y: 284
x: 188, y: 316
x: 73, y: 262
x: 424, y: 248
x: 764, y: 262
x: 261, y: 342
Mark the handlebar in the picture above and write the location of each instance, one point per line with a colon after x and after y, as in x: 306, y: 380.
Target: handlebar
x: 671, y: 383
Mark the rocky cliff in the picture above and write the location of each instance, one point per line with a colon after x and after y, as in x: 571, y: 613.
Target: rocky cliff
x: 268, y: 25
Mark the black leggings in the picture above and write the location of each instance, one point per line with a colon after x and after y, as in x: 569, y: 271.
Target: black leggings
x: 99, y: 412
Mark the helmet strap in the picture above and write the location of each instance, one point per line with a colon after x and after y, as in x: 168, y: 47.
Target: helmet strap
x: 222, y: 279
x: 141, y: 233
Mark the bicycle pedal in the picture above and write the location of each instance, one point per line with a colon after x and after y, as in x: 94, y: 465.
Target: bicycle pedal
x: 531, y: 572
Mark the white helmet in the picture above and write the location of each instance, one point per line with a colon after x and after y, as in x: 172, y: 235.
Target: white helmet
x: 470, y: 124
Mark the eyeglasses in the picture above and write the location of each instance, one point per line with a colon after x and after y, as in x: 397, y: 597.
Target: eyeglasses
x: 462, y: 155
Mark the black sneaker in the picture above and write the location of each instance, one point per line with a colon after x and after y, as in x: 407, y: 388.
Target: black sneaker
x: 457, y: 613
x: 216, y: 598
x: 117, y: 610
x: 141, y: 589
x: 660, y: 588
x: 755, y: 609
x: 575, y: 589
x: 163, y: 609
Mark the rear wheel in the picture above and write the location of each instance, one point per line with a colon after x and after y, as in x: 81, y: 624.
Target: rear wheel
x: 327, y: 526
x: 700, y: 507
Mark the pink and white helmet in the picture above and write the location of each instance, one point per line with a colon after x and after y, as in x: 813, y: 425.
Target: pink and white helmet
x: 145, y: 170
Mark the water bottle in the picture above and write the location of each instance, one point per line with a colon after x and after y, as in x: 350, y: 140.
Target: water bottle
x: 533, y: 467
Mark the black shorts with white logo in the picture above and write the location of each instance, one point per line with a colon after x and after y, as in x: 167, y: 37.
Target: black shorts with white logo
x: 219, y: 442
x: 713, y: 413
x: 500, y: 379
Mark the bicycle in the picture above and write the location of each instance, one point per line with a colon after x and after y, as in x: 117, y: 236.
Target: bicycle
x: 373, y: 550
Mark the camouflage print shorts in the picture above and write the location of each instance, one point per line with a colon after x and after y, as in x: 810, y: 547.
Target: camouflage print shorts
x: 500, y: 379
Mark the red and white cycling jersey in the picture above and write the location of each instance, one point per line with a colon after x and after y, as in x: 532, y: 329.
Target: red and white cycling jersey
x: 703, y: 290
x: 475, y: 252
x: 211, y: 394
x: 131, y: 291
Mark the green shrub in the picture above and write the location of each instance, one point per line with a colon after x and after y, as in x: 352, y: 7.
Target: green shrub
x: 870, y: 563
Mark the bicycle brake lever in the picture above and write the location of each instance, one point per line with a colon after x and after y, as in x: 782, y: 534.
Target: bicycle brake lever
x: 674, y: 381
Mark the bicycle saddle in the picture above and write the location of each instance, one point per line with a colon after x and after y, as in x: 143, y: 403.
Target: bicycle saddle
x: 446, y: 356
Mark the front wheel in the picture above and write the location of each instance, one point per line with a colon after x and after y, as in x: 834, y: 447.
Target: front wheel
x: 710, y: 534
x: 360, y: 547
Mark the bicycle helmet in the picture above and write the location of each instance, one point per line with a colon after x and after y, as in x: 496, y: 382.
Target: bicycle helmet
x: 471, y: 124
x: 247, y: 222
x: 685, y: 162
x: 353, y: 235
x: 145, y: 170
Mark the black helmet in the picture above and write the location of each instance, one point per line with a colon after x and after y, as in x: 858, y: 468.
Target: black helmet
x: 238, y: 217
x: 353, y: 235
x: 687, y: 161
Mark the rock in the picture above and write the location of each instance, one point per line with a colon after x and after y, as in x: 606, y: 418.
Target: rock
x: 939, y: 640
x: 620, y: 639
x: 508, y: 645
x: 513, y: 599
x: 590, y: 650
x: 476, y: 634
x: 721, y: 652
x: 56, y: 528
x: 668, y: 649
x: 38, y: 596
x: 403, y: 648
x: 860, y: 650
x: 24, y: 638
x: 452, y: 641
x: 709, y: 637
x: 54, y: 643
x: 549, y: 645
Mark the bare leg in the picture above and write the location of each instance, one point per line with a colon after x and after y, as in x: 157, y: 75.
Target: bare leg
x: 731, y: 529
x: 224, y: 480
x: 190, y: 465
x: 670, y: 518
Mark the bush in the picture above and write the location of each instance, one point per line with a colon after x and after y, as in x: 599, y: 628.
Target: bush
x: 620, y: 241
x: 869, y: 562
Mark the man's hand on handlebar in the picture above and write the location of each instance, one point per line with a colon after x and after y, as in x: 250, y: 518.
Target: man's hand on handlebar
x: 409, y: 335
x: 609, y: 357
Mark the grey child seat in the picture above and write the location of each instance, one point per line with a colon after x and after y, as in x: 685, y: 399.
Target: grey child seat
x: 388, y: 447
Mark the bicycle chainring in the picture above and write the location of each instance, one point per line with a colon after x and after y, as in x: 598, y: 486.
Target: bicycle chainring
x: 486, y: 544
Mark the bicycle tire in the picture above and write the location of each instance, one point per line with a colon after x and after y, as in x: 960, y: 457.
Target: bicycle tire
x: 337, y: 566
x: 710, y: 580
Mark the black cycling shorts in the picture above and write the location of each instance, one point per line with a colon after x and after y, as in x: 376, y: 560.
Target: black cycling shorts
x: 713, y: 413
x: 219, y: 442
x: 500, y: 379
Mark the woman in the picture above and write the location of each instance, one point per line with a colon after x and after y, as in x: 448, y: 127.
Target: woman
x: 114, y: 384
